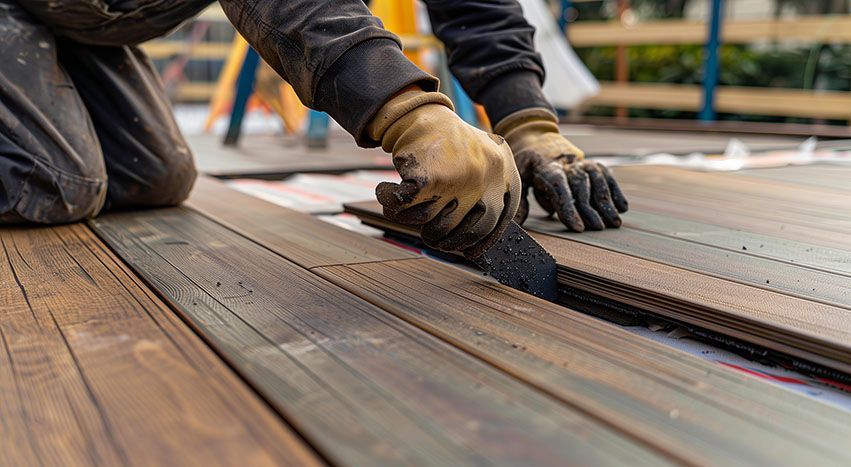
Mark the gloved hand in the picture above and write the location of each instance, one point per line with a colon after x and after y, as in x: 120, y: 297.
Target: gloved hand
x: 582, y: 193
x: 459, y: 184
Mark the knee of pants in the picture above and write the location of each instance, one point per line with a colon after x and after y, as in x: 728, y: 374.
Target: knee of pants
x: 163, y: 181
x: 175, y: 183
x: 47, y: 195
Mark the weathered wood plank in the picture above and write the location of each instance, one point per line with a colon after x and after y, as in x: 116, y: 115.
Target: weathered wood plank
x: 795, y: 252
x: 730, y: 264
x: 728, y: 204
x: 695, y: 410
x: 813, y: 331
x: 361, y: 385
x: 95, y: 370
x: 787, y: 199
x: 308, y: 241
x: 636, y: 385
x: 790, y: 240
x: 809, y: 330
x: 730, y: 99
x: 819, y: 28
x: 835, y: 177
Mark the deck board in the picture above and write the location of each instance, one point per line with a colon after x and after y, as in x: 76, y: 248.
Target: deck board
x: 681, y: 406
x: 785, y: 210
x: 777, y: 280
x: 823, y: 176
x: 633, y: 385
x: 810, y: 330
x: 363, y: 386
x: 95, y: 370
x: 801, y: 253
x: 309, y: 242
x: 773, y: 274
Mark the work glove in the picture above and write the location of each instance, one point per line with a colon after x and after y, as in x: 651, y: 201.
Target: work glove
x: 583, y: 194
x: 459, y: 184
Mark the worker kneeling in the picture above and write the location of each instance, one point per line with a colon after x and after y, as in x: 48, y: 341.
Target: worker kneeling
x: 85, y: 124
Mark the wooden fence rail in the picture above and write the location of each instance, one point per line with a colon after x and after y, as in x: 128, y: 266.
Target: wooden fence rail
x: 834, y: 29
x: 729, y: 99
x: 831, y: 28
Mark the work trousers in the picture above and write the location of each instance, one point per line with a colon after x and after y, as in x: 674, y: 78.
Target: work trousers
x: 84, y: 120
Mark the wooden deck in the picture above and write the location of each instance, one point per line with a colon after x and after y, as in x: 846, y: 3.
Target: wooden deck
x: 267, y: 156
x: 232, y: 331
x: 96, y: 370
x: 756, y: 258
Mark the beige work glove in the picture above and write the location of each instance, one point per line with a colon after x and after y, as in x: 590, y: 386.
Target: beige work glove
x: 459, y: 184
x: 583, y: 194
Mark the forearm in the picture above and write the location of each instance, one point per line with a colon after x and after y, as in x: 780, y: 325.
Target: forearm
x: 335, y: 54
x: 491, y: 52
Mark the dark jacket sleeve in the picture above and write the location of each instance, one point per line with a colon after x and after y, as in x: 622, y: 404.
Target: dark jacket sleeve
x: 335, y: 54
x: 491, y: 52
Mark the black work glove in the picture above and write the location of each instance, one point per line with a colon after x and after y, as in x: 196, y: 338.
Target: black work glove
x: 583, y: 194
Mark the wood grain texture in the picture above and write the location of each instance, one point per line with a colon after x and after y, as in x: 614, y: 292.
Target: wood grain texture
x: 799, y: 253
x: 835, y: 177
x: 786, y: 200
x: 364, y: 387
x: 693, y: 410
x: 730, y: 264
x: 309, y: 242
x: 800, y: 213
x: 95, y: 370
x: 719, y: 289
x: 688, y: 409
x: 780, y: 279
x: 799, y: 327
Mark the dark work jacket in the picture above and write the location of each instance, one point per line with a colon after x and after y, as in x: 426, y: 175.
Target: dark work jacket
x: 336, y: 55
x: 340, y: 60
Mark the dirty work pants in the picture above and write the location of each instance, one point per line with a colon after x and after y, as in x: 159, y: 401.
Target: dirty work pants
x: 84, y: 120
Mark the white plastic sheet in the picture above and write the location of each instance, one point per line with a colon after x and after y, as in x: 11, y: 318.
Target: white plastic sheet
x: 568, y: 81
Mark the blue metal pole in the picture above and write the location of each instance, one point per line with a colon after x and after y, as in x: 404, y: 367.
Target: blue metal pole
x: 244, y: 88
x: 318, y: 124
x: 711, y: 62
x: 562, y: 19
x: 463, y: 105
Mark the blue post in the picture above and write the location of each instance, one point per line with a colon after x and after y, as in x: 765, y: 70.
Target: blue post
x: 562, y: 19
x: 711, y: 62
x: 244, y: 88
x: 463, y: 105
x: 317, y: 129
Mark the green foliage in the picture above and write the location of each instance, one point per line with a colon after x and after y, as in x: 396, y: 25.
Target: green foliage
x: 820, y: 67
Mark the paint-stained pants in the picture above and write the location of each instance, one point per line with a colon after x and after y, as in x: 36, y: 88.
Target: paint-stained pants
x: 84, y: 120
